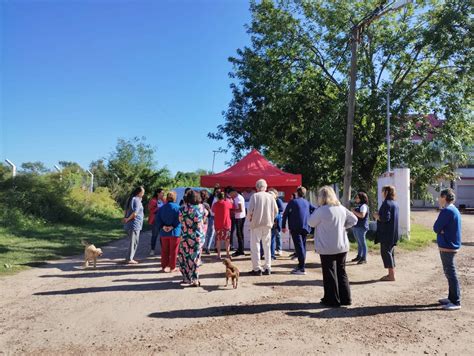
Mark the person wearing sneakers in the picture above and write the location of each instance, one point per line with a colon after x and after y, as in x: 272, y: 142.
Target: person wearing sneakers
x: 261, y: 215
x: 297, y: 213
x: 448, y: 230
x: 362, y: 226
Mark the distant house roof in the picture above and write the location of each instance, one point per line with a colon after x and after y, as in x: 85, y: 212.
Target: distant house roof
x: 432, y: 123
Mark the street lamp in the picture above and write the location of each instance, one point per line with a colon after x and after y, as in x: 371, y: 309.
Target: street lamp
x: 91, y: 189
x: 59, y: 171
x: 356, y: 33
x: 220, y: 150
x: 10, y: 163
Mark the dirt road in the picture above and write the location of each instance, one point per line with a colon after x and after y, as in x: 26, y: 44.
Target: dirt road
x: 116, y: 309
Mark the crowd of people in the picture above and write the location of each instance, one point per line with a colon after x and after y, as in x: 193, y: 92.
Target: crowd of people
x: 203, y: 221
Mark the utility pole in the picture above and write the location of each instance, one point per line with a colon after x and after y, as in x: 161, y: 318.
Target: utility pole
x: 356, y: 32
x: 59, y: 171
x: 350, y: 118
x: 388, y: 132
x: 91, y: 188
x: 214, y: 157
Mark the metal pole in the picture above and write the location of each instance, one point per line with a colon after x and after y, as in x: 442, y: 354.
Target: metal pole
x: 60, y: 172
x: 213, y: 160
x: 350, y: 119
x: 92, y: 181
x: 388, y: 132
x: 10, y: 163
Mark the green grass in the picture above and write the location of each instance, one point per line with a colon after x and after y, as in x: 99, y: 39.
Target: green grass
x: 420, y: 237
x: 29, y: 247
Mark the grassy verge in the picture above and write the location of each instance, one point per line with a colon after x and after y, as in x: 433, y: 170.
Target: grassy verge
x: 420, y: 237
x: 24, y: 248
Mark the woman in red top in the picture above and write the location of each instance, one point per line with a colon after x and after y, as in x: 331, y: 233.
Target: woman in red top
x: 222, y: 222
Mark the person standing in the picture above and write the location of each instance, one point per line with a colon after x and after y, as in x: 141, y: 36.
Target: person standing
x: 330, y: 221
x: 448, y: 230
x: 191, y: 217
x: 211, y: 231
x: 276, y: 228
x: 387, y: 230
x: 261, y: 214
x: 169, y: 227
x: 153, y: 205
x: 297, y: 213
x: 222, y: 222
x: 360, y: 229
x: 133, y: 222
x: 239, y: 220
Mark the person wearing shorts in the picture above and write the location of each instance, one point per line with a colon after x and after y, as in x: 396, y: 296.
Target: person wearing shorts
x: 222, y: 222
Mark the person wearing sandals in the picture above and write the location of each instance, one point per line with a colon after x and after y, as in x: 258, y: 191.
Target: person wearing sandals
x: 387, y: 230
x: 362, y: 226
x: 330, y: 221
x: 448, y: 231
x: 169, y: 228
x: 191, y: 216
x: 222, y: 222
x: 133, y: 222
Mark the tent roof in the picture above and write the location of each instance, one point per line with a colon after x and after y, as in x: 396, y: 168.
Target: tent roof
x: 248, y: 170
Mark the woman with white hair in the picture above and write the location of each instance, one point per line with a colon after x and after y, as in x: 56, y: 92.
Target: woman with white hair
x: 261, y: 213
x: 330, y: 221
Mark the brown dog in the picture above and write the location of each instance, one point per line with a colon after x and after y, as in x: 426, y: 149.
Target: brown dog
x: 90, y: 253
x: 231, y: 271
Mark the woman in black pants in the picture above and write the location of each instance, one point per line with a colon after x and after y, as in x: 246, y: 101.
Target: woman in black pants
x: 331, y: 220
x: 387, y: 230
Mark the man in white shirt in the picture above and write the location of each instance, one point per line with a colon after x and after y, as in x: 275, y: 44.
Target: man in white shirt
x: 239, y: 216
x: 261, y: 214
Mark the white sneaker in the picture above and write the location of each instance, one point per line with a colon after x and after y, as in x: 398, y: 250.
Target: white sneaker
x: 277, y: 253
x: 444, y: 301
x: 451, y: 306
x: 152, y: 253
x: 298, y: 272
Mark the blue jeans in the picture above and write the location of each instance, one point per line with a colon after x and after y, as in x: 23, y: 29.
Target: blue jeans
x: 447, y: 259
x: 210, y: 233
x: 277, y: 232
x: 359, y: 234
x: 299, y: 239
x: 154, y: 236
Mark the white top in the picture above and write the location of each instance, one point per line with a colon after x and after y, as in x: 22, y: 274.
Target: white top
x: 239, y: 200
x: 262, y: 210
x: 331, y: 223
x: 364, y: 209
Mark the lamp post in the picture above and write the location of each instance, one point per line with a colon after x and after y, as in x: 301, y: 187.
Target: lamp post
x: 388, y: 132
x: 91, y: 189
x: 356, y: 32
x: 59, y: 171
x: 214, y: 157
x: 13, y: 167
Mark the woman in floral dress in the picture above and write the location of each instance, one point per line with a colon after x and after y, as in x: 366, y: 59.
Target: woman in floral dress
x: 191, y: 216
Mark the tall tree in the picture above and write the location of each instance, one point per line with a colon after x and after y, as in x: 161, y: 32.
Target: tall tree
x: 290, y: 89
x: 34, y: 167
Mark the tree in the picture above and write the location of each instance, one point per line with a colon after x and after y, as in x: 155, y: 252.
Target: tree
x: 34, y: 167
x: 290, y: 90
x: 132, y: 164
x: 189, y: 179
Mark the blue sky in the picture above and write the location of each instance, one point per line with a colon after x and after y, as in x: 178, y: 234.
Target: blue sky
x: 78, y: 74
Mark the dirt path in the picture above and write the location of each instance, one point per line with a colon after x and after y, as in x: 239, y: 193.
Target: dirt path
x: 61, y: 309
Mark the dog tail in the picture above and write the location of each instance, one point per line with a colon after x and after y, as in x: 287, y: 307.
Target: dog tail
x: 85, y: 243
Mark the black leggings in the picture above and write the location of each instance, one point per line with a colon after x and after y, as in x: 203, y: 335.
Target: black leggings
x: 387, y: 251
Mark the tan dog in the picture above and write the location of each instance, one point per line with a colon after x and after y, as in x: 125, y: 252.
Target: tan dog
x: 231, y: 271
x: 90, y: 253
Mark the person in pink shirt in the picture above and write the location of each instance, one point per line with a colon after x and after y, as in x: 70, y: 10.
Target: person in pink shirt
x: 222, y: 222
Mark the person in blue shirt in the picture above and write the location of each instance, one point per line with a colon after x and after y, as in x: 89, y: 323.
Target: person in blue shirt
x: 133, y: 222
x: 297, y: 213
x: 448, y: 230
x: 387, y: 230
x: 169, y: 227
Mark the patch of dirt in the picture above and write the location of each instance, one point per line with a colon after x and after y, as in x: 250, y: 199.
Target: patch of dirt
x: 116, y: 309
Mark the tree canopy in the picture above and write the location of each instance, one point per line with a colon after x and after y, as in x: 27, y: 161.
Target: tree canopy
x: 291, y: 84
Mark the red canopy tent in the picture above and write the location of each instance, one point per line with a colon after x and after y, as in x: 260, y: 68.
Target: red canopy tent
x: 246, y: 172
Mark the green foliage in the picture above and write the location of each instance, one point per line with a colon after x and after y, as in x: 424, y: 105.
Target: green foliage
x: 34, y: 167
x: 290, y: 90
x: 189, y: 179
